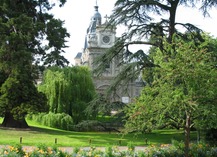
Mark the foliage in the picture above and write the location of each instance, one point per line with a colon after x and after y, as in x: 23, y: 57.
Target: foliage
x: 183, y: 83
x: 38, y: 134
x: 88, y: 125
x: 29, y: 36
x: 109, y: 114
x: 181, y: 93
x: 148, y: 24
x: 200, y: 150
x: 211, y: 136
x: 146, y: 21
x: 39, y: 151
x: 139, y: 15
x: 68, y: 90
x: 15, y: 150
x: 54, y: 120
x: 100, y: 105
x: 206, y: 5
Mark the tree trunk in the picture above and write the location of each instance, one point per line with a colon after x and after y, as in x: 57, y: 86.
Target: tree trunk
x: 9, y: 121
x: 172, y: 19
x: 198, y: 135
x: 187, y: 134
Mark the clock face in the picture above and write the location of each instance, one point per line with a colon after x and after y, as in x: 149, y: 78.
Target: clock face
x: 106, y: 39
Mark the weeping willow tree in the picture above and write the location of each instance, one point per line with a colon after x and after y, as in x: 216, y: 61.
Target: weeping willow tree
x: 68, y: 90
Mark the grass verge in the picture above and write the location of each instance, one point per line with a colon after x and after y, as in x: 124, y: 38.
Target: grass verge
x: 38, y: 134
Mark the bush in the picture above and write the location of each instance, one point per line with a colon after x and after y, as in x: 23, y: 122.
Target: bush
x: 36, y: 117
x: 211, y: 136
x: 59, y: 120
x: 15, y: 150
x: 89, y: 125
x: 196, y: 150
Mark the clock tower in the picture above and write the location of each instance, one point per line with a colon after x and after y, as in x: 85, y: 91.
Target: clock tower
x: 99, y: 38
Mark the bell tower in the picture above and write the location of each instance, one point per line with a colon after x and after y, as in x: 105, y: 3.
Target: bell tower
x: 99, y: 38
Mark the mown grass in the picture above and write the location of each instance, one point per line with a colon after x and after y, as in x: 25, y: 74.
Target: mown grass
x: 38, y: 134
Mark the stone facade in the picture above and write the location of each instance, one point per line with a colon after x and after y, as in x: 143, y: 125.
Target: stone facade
x: 98, y: 39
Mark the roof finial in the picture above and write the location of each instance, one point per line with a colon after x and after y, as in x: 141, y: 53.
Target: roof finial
x: 106, y: 18
x: 96, y: 7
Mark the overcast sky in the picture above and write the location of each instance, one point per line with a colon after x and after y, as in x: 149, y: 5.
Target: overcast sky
x: 77, y: 14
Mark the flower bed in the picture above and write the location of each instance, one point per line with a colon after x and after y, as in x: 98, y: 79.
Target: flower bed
x: 196, y: 150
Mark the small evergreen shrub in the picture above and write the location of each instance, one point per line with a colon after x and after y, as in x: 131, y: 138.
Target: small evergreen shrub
x: 89, y: 125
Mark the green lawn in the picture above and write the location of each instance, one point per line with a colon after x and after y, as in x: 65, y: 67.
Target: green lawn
x: 38, y: 134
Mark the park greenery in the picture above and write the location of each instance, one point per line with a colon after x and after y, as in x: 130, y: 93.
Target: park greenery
x: 179, y: 71
x: 40, y: 134
x: 181, y: 93
x: 31, y: 39
x: 153, y: 151
x: 45, y: 141
x: 68, y: 90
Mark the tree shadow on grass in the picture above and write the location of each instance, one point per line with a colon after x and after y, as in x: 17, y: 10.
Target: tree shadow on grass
x: 49, y: 131
x: 92, y: 138
x: 104, y: 138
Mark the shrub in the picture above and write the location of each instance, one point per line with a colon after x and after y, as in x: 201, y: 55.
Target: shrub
x: 196, y: 150
x: 36, y: 117
x: 211, y: 136
x: 12, y: 151
x: 59, y: 120
x: 89, y: 125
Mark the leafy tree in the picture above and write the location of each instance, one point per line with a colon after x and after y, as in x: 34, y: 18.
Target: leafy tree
x: 29, y: 36
x: 101, y: 105
x: 181, y: 93
x: 207, y: 4
x: 147, y: 23
x: 68, y: 90
x: 150, y: 23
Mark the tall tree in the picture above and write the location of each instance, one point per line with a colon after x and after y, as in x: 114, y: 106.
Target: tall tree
x: 29, y: 36
x: 181, y: 93
x: 147, y: 23
x: 69, y: 90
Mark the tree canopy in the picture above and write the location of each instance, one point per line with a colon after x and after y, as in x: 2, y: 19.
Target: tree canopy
x: 30, y: 36
x: 69, y: 90
x: 179, y: 69
x: 182, y: 93
x: 148, y: 23
x: 187, y: 78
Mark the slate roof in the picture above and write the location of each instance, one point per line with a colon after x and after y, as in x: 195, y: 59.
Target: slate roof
x: 78, y: 56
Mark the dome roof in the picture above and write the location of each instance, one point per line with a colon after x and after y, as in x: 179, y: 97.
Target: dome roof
x: 97, y: 16
x: 95, y: 21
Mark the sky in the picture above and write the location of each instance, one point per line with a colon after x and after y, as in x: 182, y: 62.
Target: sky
x: 77, y: 15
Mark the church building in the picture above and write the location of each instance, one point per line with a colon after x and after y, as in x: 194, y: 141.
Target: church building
x: 98, y: 39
